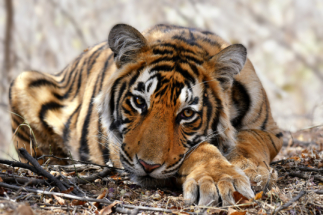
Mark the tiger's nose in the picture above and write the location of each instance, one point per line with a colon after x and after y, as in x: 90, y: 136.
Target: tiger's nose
x: 148, y: 167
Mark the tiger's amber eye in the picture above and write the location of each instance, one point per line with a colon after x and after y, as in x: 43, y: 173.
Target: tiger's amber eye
x: 187, y: 113
x: 139, y: 101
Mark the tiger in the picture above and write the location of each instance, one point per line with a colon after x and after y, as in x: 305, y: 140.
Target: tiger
x: 171, y: 106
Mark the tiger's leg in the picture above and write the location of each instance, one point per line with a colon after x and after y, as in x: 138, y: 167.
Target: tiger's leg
x: 253, y: 153
x: 34, y: 107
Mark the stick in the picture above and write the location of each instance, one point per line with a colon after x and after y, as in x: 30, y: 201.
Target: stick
x: 21, y: 180
x: 300, y: 195
x: 308, y: 169
x: 300, y: 175
x: 41, y: 171
x: 18, y: 164
x: 281, y: 161
x: 105, y: 172
x: 73, y: 167
x: 69, y: 159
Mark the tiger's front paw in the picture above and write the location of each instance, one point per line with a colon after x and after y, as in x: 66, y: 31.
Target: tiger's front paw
x: 208, y: 185
x: 207, y: 176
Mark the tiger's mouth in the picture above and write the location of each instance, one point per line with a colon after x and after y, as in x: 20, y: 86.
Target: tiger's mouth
x: 160, y: 177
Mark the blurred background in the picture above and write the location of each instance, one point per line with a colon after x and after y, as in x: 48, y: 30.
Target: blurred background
x: 284, y: 41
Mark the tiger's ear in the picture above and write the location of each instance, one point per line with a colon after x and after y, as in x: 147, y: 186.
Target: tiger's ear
x: 229, y: 62
x: 126, y: 42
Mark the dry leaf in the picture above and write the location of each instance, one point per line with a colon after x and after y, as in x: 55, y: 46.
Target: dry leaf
x: 239, y: 198
x: 68, y: 190
x: 60, y: 200
x: 115, y: 177
x: 108, y: 209
x: 231, y: 211
x: 259, y: 195
x: 1, y: 179
x: 78, y: 202
x: 101, y: 196
x: 295, y: 158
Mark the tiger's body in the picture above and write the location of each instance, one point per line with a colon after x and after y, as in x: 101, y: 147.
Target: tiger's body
x: 172, y: 102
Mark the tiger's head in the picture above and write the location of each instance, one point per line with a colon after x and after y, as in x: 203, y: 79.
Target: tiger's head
x: 167, y: 95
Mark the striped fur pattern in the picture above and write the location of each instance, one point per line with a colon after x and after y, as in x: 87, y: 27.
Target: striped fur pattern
x: 172, y: 105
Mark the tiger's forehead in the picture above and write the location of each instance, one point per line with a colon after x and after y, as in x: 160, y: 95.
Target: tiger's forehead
x: 168, y: 87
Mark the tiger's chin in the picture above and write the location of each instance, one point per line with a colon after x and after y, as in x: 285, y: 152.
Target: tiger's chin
x: 150, y: 182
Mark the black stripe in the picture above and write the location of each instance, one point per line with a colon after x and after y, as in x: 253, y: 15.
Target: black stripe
x: 79, y: 82
x: 20, y: 136
x: 263, y: 126
x: 70, y: 72
x: 191, y: 41
x: 66, y: 130
x: 104, y: 71
x: 42, y: 82
x: 121, y: 91
x: 162, y: 52
x: 241, y: 100
x: 185, y: 73
x: 279, y: 135
x: 195, y: 60
x: 94, y: 55
x: 165, y: 68
x: 84, y: 148
x: 272, y: 142
x: 46, y: 107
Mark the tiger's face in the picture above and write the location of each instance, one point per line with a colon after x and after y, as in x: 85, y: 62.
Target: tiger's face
x: 164, y: 100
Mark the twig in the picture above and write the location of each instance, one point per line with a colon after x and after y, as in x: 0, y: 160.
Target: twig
x: 308, y: 169
x: 77, y: 167
x: 18, y: 164
x: 78, y: 161
x: 41, y: 171
x: 83, y: 180
x: 300, y: 195
x: 281, y: 161
x: 21, y: 180
x: 300, y: 175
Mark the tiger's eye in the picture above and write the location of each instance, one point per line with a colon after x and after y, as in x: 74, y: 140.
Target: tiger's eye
x: 187, y: 113
x: 139, y: 101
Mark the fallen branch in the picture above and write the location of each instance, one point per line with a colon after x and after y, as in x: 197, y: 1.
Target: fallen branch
x: 41, y: 171
x: 282, y: 162
x: 69, y: 159
x: 83, y: 180
x: 74, y: 167
x: 308, y: 169
x: 21, y: 180
x: 18, y: 164
x: 300, y: 175
x: 300, y: 195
